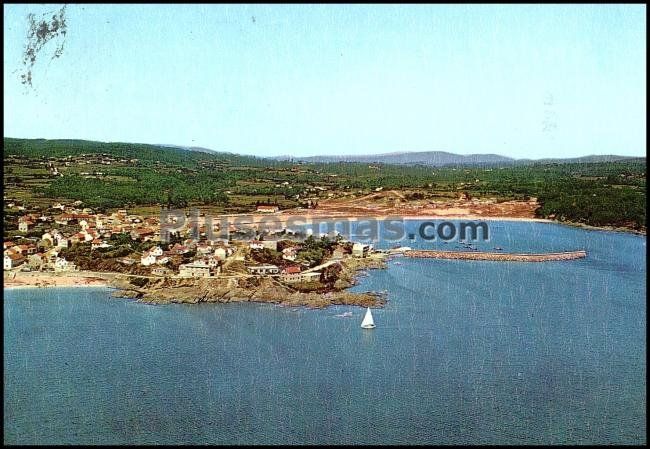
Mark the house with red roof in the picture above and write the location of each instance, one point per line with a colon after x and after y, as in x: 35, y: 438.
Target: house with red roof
x: 292, y: 269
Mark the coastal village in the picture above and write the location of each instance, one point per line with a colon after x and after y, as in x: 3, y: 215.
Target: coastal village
x: 65, y: 236
x: 49, y: 240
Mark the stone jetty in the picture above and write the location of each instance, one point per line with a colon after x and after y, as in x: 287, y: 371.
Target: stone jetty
x: 477, y: 255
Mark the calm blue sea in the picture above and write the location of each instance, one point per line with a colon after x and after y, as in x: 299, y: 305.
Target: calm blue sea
x: 465, y: 352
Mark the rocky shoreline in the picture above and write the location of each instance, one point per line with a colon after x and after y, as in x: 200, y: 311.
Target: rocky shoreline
x: 626, y: 229
x: 252, y: 289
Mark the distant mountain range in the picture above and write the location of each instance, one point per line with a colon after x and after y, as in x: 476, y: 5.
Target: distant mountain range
x: 442, y: 158
x: 429, y: 158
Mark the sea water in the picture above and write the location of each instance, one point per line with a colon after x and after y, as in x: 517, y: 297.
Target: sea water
x: 465, y: 352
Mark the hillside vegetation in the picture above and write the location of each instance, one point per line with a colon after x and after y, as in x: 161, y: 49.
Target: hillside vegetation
x: 113, y: 175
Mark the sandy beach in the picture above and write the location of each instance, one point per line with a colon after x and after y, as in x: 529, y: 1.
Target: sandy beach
x: 36, y: 279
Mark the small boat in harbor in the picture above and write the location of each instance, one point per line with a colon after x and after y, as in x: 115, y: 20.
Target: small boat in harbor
x: 344, y: 315
x: 368, y: 322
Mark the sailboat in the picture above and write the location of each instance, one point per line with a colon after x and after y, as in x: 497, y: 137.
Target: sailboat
x: 368, y: 322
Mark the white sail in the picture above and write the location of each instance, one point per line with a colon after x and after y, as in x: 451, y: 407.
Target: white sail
x: 368, y: 322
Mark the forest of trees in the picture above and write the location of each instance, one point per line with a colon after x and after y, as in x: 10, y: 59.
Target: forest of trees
x: 149, y: 187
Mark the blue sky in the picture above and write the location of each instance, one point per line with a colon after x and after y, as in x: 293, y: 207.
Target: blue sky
x: 521, y: 81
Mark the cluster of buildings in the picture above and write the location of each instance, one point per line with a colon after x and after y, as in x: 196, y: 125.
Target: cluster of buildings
x: 290, y: 274
x: 206, y: 262
x: 28, y: 257
x: 63, y: 226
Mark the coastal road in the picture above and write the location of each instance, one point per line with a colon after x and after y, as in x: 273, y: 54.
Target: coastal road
x: 321, y: 266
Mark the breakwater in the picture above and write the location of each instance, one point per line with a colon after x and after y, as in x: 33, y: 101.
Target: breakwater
x: 478, y: 255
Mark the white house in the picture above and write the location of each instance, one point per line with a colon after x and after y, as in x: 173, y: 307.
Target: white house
x: 60, y: 264
x: 270, y: 244
x: 301, y: 277
x: 267, y: 208
x: 98, y: 243
x: 152, y: 256
x: 147, y: 259
x: 263, y: 269
x: 156, y: 251
x: 360, y: 250
x: 24, y: 225
x: 220, y: 253
x: 195, y: 269
x: 62, y: 242
x: 203, y: 248
x: 13, y: 260
x: 256, y: 244
x: 290, y: 253
x: 212, y: 261
x: 162, y: 271
x: 87, y: 236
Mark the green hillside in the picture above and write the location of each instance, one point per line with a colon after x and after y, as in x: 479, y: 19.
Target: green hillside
x: 113, y: 175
